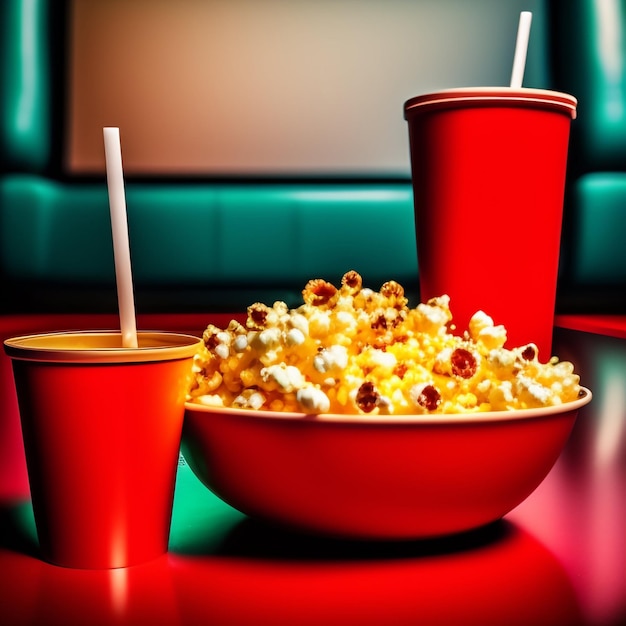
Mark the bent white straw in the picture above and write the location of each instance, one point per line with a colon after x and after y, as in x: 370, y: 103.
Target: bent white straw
x: 121, y: 246
x: 521, y: 47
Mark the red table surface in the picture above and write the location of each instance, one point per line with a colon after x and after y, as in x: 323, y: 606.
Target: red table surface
x: 612, y: 325
x: 558, y: 559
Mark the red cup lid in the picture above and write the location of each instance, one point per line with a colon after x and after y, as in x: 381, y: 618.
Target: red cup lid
x: 488, y: 96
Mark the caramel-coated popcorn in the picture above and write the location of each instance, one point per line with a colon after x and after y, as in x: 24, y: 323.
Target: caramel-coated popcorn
x: 357, y: 351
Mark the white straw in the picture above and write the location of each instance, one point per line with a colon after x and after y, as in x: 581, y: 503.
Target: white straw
x: 521, y: 46
x: 121, y: 246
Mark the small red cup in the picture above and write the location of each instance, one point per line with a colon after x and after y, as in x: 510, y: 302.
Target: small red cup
x: 488, y: 170
x: 101, y: 426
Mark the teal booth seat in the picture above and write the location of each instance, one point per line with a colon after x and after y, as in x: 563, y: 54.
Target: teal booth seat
x: 588, y: 39
x: 31, y: 36
x: 199, y: 246
x: 599, y: 199
x: 208, y: 245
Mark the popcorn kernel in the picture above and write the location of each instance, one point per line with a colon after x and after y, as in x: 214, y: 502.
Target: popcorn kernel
x: 355, y: 350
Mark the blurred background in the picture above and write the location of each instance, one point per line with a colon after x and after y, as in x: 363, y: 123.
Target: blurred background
x: 276, y: 86
x: 264, y: 143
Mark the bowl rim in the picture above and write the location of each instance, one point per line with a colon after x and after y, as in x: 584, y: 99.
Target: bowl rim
x: 428, y: 418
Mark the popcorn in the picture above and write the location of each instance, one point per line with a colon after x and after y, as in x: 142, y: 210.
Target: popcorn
x: 354, y: 350
x: 313, y: 400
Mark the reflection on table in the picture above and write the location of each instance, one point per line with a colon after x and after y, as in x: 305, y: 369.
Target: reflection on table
x: 580, y: 509
x: 250, y: 574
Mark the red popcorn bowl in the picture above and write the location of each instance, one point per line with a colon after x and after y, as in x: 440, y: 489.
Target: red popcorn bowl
x: 375, y: 477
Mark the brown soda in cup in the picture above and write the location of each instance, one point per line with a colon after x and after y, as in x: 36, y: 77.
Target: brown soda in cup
x: 488, y: 171
x: 102, y: 427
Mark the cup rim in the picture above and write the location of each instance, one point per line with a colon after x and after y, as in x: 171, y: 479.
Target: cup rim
x: 485, y: 96
x: 101, y: 346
